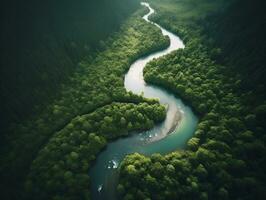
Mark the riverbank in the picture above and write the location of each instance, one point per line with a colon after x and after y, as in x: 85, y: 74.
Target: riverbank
x: 156, y: 140
x: 97, y: 81
x: 224, y: 159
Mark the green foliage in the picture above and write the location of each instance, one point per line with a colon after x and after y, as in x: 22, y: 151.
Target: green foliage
x: 193, y: 143
x: 227, y: 153
x: 61, y: 167
x: 43, y: 41
x: 96, y: 82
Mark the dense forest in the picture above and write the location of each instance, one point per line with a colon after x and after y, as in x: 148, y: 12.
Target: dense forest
x: 221, y: 74
x: 96, y: 81
x: 63, y: 97
x: 43, y: 42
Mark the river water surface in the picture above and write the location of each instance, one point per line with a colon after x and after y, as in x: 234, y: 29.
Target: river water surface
x: 173, y: 133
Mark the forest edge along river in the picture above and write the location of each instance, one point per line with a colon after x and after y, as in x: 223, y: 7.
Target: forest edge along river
x: 170, y: 135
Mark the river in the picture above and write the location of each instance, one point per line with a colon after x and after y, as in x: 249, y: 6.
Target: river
x: 172, y: 134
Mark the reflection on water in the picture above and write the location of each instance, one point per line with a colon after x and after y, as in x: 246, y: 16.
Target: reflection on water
x: 180, y: 122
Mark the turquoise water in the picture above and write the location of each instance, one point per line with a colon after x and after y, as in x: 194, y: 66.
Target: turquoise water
x: 173, y: 133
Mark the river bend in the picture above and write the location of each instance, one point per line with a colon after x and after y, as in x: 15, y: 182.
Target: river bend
x: 173, y: 133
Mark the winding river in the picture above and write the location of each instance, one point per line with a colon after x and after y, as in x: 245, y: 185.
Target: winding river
x: 171, y: 134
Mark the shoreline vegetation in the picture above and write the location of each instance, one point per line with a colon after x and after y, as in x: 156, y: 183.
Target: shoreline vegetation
x: 225, y: 159
x: 72, y: 150
x: 103, y: 179
x: 220, y: 74
x: 97, y: 81
x: 43, y: 43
